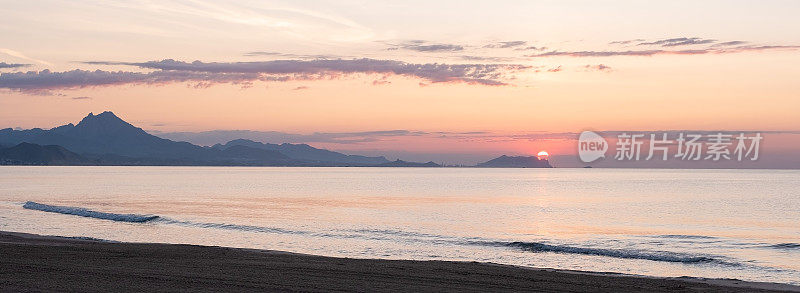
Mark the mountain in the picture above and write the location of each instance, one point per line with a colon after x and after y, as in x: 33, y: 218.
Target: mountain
x: 105, y: 139
x: 515, y: 162
x: 105, y: 133
x: 305, y: 152
x: 401, y: 163
x: 34, y: 154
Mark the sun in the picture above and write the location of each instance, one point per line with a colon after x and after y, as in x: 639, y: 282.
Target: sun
x: 543, y: 155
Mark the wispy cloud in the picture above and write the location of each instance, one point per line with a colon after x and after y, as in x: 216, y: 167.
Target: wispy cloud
x: 531, y: 48
x: 244, y: 73
x: 611, y: 53
x: 12, y: 65
x: 554, y: 69
x: 731, y: 43
x: 674, y: 42
x: 677, y: 42
x: 22, y: 56
x: 288, y: 55
x: 424, y: 46
x: 626, y: 42
x: 508, y: 44
x: 486, y: 58
x: 598, y: 67
x: 82, y: 98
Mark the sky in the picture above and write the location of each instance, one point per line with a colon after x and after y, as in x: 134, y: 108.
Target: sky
x: 450, y: 81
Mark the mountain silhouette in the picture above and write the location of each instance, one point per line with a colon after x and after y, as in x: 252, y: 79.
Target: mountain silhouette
x: 305, y: 152
x: 106, y: 139
x: 34, y: 154
x: 515, y: 162
x: 105, y: 133
x: 401, y: 163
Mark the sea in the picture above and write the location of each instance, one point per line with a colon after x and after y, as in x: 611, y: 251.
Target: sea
x: 742, y: 224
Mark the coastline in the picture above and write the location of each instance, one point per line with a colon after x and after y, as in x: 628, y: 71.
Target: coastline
x: 52, y: 263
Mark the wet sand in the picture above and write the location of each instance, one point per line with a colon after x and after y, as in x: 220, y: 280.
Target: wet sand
x: 47, y: 263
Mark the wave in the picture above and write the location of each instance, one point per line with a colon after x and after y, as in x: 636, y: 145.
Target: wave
x: 132, y: 218
x: 785, y: 245
x: 376, y: 234
x: 679, y: 236
x: 247, y: 228
x: 617, y: 253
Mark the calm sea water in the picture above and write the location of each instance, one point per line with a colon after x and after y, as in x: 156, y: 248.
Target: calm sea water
x: 741, y: 224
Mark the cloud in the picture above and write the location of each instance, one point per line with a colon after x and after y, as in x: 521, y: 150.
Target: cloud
x: 532, y: 48
x: 739, y: 49
x: 731, y: 43
x: 598, y: 67
x: 508, y: 44
x: 82, y: 98
x: 673, y: 42
x: 12, y: 65
x: 485, y: 58
x: 288, y: 55
x: 625, y: 42
x: 245, y: 73
x: 555, y: 69
x: 598, y: 53
x: 299, y: 88
x: 424, y: 46
x: 434, y: 48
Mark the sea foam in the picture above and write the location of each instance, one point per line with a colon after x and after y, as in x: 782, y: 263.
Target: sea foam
x: 617, y: 253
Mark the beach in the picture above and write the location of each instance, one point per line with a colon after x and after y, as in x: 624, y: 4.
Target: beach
x: 49, y: 263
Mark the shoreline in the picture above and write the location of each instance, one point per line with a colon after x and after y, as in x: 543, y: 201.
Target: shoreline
x: 52, y: 263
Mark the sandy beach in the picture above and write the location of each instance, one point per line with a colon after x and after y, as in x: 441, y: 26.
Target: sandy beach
x: 48, y: 263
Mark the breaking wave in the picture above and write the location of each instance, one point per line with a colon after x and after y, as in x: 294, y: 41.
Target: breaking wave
x: 618, y: 253
x: 132, y: 218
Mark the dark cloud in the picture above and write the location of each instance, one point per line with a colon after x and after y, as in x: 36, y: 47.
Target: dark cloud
x: 12, y: 65
x: 245, y: 73
x: 662, y: 52
x: 556, y: 69
x: 508, y: 44
x: 82, y: 98
x: 673, y: 42
x: 46, y: 80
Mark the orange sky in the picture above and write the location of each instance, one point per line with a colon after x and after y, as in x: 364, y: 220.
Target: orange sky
x: 735, y: 70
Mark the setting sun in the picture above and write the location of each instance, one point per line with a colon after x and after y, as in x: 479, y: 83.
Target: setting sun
x: 543, y: 155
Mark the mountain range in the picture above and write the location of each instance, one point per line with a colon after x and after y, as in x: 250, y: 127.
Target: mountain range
x: 105, y: 139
